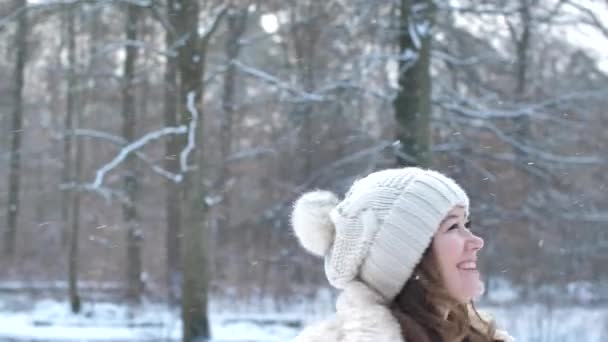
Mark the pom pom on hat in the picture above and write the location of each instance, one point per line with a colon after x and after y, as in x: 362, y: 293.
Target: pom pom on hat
x: 311, y: 221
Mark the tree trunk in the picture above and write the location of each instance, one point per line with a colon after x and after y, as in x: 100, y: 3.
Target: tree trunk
x: 78, y: 160
x: 70, y: 203
x: 73, y: 270
x: 68, y: 136
x: 522, y: 123
x: 522, y: 43
x: 305, y: 37
x: 191, y: 56
x: 172, y: 150
x: 236, y: 22
x: 14, y: 178
x: 134, y: 234
x: 413, y: 102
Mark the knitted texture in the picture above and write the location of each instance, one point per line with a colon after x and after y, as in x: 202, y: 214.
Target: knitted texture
x: 380, y: 230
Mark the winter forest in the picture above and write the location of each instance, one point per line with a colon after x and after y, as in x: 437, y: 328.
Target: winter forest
x: 151, y: 151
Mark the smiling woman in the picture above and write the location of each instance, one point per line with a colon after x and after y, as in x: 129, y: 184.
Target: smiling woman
x: 455, y: 248
x: 400, y: 248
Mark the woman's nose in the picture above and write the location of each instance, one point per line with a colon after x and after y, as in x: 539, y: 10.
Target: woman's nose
x: 476, y: 242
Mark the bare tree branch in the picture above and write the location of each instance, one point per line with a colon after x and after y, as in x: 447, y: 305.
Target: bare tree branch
x: 270, y: 79
x: 117, y: 140
x: 124, y: 152
x: 590, y: 17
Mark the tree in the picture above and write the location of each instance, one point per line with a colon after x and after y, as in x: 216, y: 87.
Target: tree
x: 68, y: 136
x: 16, y: 132
x: 70, y: 218
x: 305, y: 37
x: 172, y: 152
x: 192, y: 52
x: 413, y: 101
x: 236, y: 22
x: 134, y: 233
x: 522, y: 41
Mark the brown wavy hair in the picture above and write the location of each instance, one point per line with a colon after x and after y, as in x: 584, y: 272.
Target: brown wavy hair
x: 417, y: 308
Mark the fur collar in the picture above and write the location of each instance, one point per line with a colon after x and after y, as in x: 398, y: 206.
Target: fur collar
x: 362, y: 316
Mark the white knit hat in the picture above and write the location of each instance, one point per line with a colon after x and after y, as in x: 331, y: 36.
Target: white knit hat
x: 381, y: 229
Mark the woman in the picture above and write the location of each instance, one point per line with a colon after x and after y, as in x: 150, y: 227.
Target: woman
x: 400, y: 249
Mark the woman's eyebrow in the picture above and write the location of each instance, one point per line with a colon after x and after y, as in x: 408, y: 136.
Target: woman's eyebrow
x: 449, y: 217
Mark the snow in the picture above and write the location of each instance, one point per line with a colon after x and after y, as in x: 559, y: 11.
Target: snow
x: 265, y: 320
x: 269, y: 22
x: 537, y: 322
x: 51, y: 320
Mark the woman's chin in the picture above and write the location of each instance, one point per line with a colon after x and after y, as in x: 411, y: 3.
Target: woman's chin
x: 472, y: 292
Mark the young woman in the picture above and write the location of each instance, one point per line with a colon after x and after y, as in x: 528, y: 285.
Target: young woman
x: 400, y: 248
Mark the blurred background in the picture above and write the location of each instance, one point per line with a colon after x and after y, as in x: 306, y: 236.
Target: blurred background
x: 151, y: 151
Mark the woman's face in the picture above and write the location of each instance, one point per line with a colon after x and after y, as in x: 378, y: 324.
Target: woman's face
x: 455, y: 248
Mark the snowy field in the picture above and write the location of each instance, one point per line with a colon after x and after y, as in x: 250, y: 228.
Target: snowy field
x: 536, y: 323
x: 25, y: 319
x: 50, y: 320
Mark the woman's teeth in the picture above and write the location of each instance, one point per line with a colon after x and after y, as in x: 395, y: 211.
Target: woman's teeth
x: 468, y: 265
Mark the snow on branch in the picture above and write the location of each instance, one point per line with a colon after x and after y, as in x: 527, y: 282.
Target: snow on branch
x: 587, y: 217
x: 175, y: 177
x: 348, y: 84
x: 296, y: 190
x: 591, y: 17
x: 133, y: 148
x: 461, y: 61
x: 183, y: 156
x: 107, y: 193
x: 6, y: 20
x: 125, y: 151
x: 120, y: 44
x: 268, y: 78
x: 546, y: 156
x: 478, y: 111
x: 469, y: 107
x: 84, y: 132
x: 51, y: 5
x: 142, y: 3
x: 215, y: 22
x: 337, y: 164
x: 488, y: 10
x: 250, y: 154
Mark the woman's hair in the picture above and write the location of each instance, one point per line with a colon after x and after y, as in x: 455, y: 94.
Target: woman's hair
x: 417, y: 308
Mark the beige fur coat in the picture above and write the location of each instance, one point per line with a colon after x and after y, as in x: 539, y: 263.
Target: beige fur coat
x: 361, y: 317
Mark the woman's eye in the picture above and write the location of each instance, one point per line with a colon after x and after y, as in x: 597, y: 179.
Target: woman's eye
x: 468, y: 224
x: 454, y: 226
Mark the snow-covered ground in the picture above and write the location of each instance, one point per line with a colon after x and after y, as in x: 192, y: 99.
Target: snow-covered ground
x: 538, y: 323
x: 50, y: 320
